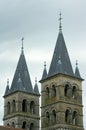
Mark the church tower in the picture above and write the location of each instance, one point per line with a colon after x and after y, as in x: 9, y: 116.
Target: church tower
x: 61, y: 91
x: 21, y: 101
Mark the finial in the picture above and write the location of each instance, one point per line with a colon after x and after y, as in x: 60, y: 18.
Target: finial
x: 44, y: 64
x: 60, y: 23
x: 76, y: 63
x: 22, y: 48
x: 7, y: 82
x: 35, y: 80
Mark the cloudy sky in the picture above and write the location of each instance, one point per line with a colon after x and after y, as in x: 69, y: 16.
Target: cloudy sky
x: 37, y: 21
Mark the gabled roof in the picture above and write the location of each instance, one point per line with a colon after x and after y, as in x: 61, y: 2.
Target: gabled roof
x: 60, y: 62
x: 21, y: 80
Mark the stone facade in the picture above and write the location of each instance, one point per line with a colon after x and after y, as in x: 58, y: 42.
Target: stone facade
x: 21, y: 110
x: 61, y: 103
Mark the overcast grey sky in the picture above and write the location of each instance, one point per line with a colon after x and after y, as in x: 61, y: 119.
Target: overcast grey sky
x: 37, y: 21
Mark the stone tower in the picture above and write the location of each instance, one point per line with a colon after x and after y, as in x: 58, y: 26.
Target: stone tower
x: 61, y: 91
x: 21, y: 101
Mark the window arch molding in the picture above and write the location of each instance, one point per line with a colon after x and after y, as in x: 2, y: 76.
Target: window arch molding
x: 75, y: 117
x: 67, y: 88
x: 53, y: 88
x: 68, y: 112
x: 54, y: 116
x: 24, y: 123
x: 13, y: 122
x: 32, y: 125
x: 13, y: 105
x: 8, y: 107
x: 24, y: 105
x: 47, y: 91
x: 32, y: 106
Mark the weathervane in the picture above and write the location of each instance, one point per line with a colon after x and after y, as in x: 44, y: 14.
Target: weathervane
x: 22, y: 48
x: 60, y: 24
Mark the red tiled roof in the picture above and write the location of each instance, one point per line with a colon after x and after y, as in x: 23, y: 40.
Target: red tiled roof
x: 8, y: 128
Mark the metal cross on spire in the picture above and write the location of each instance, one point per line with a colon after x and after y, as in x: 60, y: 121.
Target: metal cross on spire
x: 22, y: 48
x: 60, y: 23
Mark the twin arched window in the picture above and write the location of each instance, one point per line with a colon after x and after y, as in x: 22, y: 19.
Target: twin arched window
x: 69, y: 116
x: 72, y: 91
x: 51, y: 92
x: 51, y: 116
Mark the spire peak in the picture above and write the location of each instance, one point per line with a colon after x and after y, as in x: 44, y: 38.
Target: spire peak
x: 35, y: 80
x: 60, y: 23
x: 7, y: 82
x: 44, y: 64
x: 22, y: 48
x: 76, y: 63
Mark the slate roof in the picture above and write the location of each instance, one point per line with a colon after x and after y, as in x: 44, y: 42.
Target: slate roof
x: 36, y: 90
x: 60, y: 61
x: 21, y: 80
x: 77, y: 73
x: 44, y: 75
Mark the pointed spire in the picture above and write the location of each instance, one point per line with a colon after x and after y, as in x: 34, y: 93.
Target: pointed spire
x: 21, y: 76
x: 36, y: 91
x: 44, y: 71
x: 77, y: 73
x: 22, y: 48
x: 61, y: 52
x: 7, y: 88
x: 60, y: 23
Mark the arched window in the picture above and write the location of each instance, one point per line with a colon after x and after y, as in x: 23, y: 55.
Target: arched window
x: 67, y: 114
x: 74, y: 118
x: 54, y: 116
x: 24, y: 125
x: 8, y: 108
x: 74, y: 92
x: 8, y: 124
x: 32, y: 107
x: 47, y: 118
x: 66, y: 90
x: 24, y: 105
x: 53, y: 91
x: 14, y: 106
x: 13, y: 124
x: 32, y: 126
x: 47, y: 93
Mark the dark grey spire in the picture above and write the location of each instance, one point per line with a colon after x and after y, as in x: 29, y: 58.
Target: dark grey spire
x: 44, y: 75
x: 7, y: 88
x: 77, y: 73
x: 62, y: 65
x: 36, y: 90
x: 21, y: 80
